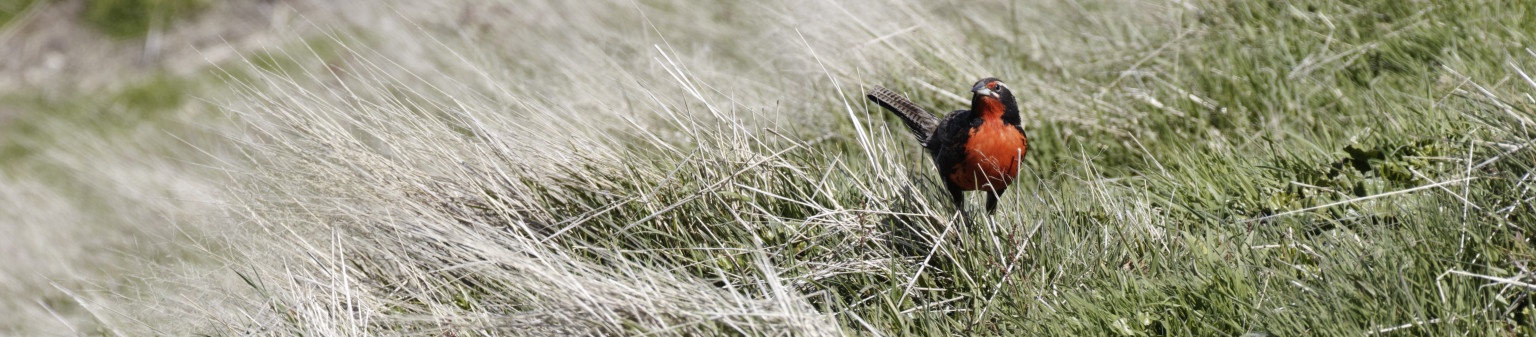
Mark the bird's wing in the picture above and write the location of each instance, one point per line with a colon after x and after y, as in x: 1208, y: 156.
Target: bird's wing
x: 947, y: 145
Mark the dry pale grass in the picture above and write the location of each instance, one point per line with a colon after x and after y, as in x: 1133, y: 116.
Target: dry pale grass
x: 479, y: 167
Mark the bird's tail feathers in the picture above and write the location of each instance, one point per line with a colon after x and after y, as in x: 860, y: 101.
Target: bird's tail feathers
x: 920, y: 121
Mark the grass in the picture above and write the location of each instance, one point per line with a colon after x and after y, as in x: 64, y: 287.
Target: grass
x: 1216, y: 168
x: 150, y: 101
x: 10, y: 8
x: 134, y: 18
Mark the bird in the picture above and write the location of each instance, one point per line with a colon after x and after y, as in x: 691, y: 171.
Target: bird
x: 974, y: 150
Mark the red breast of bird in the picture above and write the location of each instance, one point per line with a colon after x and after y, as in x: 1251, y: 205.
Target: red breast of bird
x: 993, y: 151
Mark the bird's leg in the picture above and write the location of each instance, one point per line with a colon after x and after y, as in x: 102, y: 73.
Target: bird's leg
x: 995, y: 234
x: 992, y: 194
x: 956, y: 195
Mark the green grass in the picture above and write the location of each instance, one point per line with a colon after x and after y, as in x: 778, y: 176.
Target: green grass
x: 1268, y: 107
x: 1258, y: 168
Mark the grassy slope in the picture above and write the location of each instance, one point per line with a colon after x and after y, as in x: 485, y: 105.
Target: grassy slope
x: 1169, y: 164
x: 1289, y: 168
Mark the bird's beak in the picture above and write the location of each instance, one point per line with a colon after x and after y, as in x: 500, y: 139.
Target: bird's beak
x: 981, y: 89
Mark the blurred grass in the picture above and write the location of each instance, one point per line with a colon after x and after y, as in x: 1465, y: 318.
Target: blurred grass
x: 142, y: 103
x: 10, y: 8
x: 134, y: 18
